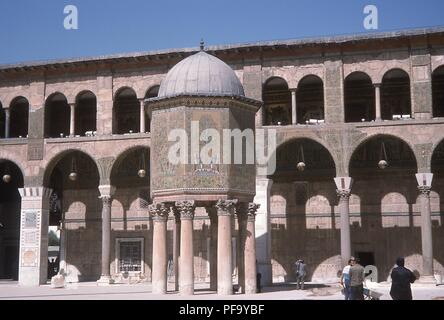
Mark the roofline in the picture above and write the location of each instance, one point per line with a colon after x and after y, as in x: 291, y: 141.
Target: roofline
x: 148, y: 55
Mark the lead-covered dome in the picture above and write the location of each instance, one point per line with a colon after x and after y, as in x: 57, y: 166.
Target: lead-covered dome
x: 201, y: 74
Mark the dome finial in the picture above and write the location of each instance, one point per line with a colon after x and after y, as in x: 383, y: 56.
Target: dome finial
x: 202, y: 45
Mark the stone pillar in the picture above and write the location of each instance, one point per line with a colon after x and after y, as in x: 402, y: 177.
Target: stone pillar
x: 106, y: 193
x: 62, y: 265
x: 225, y: 210
x: 250, y: 250
x: 186, y: 265
x: 293, y: 107
x: 142, y: 116
x: 378, y: 101
x: 7, y: 122
x: 424, y: 187
x: 241, y: 213
x: 213, y: 247
x: 343, y: 191
x: 159, y: 212
x: 72, y: 122
x: 263, y: 230
x: 176, y: 247
x: 33, y: 259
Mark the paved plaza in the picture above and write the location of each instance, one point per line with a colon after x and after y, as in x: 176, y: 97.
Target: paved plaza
x: 90, y: 291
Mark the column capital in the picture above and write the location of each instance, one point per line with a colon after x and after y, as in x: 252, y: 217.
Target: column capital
x: 159, y: 211
x: 251, y: 211
x: 186, y: 209
x: 425, y: 190
x: 377, y: 85
x: 226, y: 207
x: 106, y: 191
x: 343, y: 194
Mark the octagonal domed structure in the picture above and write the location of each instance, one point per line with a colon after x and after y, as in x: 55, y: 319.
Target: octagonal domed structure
x: 201, y: 74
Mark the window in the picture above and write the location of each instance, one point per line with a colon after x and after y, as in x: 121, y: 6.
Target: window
x: 129, y: 255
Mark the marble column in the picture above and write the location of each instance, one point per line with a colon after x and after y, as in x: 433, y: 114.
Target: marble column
x: 159, y: 212
x: 250, y: 268
x: 225, y: 211
x: 378, y: 101
x: 106, y: 193
x: 212, y: 213
x: 241, y: 213
x: 176, y: 247
x: 142, y: 116
x: 425, y: 186
x: 72, y: 122
x: 33, y: 258
x: 7, y: 122
x: 344, y: 196
x: 294, y: 119
x: 186, y: 265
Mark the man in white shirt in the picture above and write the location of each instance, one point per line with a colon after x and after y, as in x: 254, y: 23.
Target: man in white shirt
x: 345, y: 280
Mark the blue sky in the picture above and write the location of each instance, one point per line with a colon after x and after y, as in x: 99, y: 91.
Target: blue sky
x: 33, y: 29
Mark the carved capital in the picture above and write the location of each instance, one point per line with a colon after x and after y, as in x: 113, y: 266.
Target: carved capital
x: 106, y: 200
x: 251, y: 211
x: 425, y: 190
x: 226, y: 207
x: 159, y: 211
x: 186, y: 209
x: 343, y: 194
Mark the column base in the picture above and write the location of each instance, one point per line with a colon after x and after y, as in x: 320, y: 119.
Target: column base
x: 105, y: 281
x: 426, y: 280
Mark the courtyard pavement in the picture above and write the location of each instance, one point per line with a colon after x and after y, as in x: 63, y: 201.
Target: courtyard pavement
x: 142, y: 291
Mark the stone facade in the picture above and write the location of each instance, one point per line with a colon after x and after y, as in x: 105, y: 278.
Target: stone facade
x: 384, y: 210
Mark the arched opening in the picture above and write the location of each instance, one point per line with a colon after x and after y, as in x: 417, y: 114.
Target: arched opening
x: 395, y: 95
x: 86, y: 114
x: 359, y: 98
x: 2, y: 121
x: 19, y: 118
x: 57, y: 116
x: 277, y: 102
x: 126, y: 112
x: 302, y: 209
x: 131, y: 238
x: 383, y: 202
x: 437, y: 203
x: 10, y: 212
x: 75, y: 217
x: 438, y: 92
x: 151, y: 93
x: 310, y: 100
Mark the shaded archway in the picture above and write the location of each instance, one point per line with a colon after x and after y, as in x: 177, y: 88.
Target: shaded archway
x: 11, y: 179
x: 2, y: 121
x: 85, y: 114
x: 438, y: 92
x: 395, y: 95
x: 57, y: 116
x: 126, y: 112
x: 151, y: 93
x: 359, y: 98
x: 277, y: 102
x: 383, y: 202
x: 131, y: 249
x: 310, y: 99
x: 75, y: 205
x: 19, y: 118
x: 302, y: 209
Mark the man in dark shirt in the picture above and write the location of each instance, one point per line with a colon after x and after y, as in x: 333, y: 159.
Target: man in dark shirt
x: 356, y: 280
x: 401, y: 279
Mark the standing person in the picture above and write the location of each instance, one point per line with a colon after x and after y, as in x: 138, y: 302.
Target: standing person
x: 356, y: 280
x: 301, y: 273
x: 345, y: 280
x: 401, y: 280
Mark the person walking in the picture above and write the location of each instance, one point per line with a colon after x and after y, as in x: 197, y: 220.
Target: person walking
x: 401, y: 280
x: 356, y: 280
x: 345, y: 280
x: 300, y: 275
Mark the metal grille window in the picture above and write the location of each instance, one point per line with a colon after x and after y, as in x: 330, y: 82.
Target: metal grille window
x: 130, y: 255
